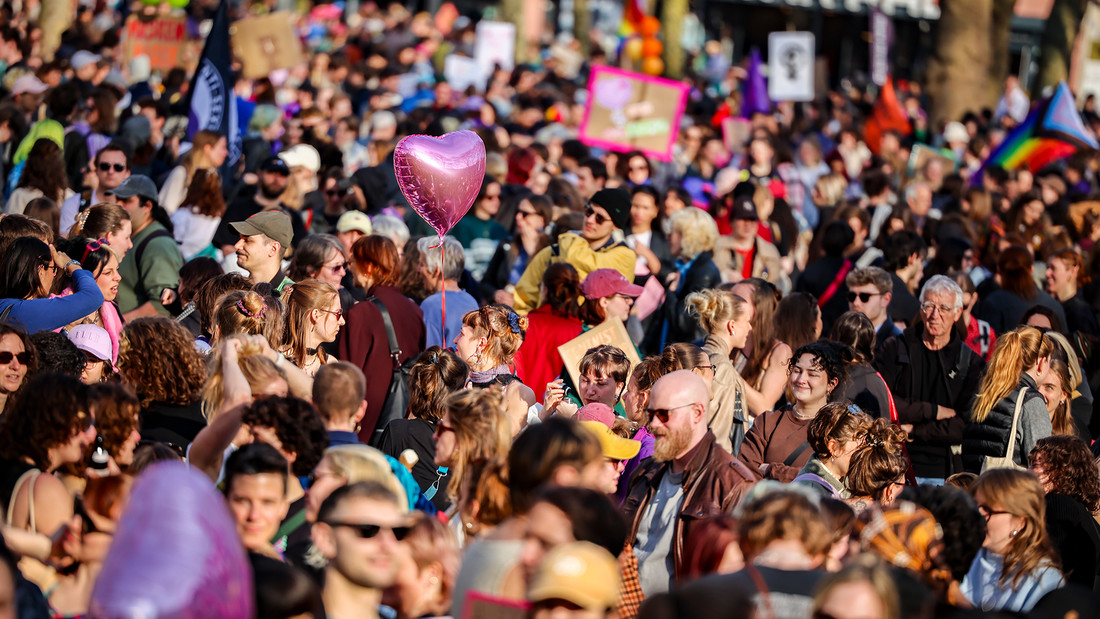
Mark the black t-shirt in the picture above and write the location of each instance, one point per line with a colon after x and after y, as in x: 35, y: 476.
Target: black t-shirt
x: 417, y: 434
x: 789, y: 593
x: 173, y: 424
x: 935, y: 386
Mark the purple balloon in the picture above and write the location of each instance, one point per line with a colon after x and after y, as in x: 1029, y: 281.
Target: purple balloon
x: 176, y: 554
x: 440, y: 177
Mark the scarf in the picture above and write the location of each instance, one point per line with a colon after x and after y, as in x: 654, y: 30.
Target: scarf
x: 488, y: 376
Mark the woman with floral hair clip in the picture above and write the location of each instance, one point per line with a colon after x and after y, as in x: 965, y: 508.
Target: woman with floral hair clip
x: 488, y: 343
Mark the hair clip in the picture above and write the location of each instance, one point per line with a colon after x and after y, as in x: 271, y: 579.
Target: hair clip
x: 513, y: 322
x: 244, y: 310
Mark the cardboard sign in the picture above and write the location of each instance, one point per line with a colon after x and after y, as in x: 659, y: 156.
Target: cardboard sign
x: 266, y: 43
x: 495, y: 45
x: 163, y: 39
x: 922, y: 154
x: 791, y: 66
x: 462, y: 72
x: 611, y: 332
x: 629, y: 111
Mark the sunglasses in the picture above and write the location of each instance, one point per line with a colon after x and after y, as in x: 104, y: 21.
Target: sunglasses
x: 367, y: 531
x: 93, y: 246
x: 863, y: 296
x: 441, y: 427
x: 7, y: 355
x: 526, y: 214
x: 662, y: 414
x: 336, y: 268
x: 335, y: 192
x: 988, y: 512
x: 590, y: 212
x: 107, y: 167
x: 338, y: 313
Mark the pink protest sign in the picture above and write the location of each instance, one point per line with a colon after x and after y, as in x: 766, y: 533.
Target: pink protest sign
x: 630, y: 111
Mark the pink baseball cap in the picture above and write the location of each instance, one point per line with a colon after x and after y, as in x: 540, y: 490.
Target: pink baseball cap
x: 598, y: 412
x: 606, y: 282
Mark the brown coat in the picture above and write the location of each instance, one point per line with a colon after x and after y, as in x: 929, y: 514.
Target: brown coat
x: 714, y: 483
x: 774, y: 438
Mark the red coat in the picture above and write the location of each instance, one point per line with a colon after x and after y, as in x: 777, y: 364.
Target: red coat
x: 363, y: 343
x: 538, y: 361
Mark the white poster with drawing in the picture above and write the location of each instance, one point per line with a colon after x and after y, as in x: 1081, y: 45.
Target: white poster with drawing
x: 791, y: 66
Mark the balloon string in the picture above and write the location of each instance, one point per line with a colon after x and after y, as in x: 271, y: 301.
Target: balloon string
x: 443, y: 287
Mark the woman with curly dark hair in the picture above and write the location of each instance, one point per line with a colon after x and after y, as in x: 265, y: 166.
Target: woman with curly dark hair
x: 18, y: 360
x: 1071, y: 482
x: 38, y: 436
x: 436, y: 374
x: 116, y: 408
x: 157, y: 357
x: 43, y: 177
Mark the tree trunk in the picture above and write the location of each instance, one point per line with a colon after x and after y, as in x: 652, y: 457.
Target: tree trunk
x: 582, y: 23
x: 511, y: 11
x: 958, y: 70
x: 1059, y: 37
x: 55, y: 18
x: 1000, y: 31
x: 673, y: 14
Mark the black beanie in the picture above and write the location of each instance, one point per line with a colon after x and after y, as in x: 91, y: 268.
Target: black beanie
x: 617, y: 204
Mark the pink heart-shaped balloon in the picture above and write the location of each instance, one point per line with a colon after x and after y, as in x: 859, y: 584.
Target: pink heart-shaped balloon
x: 440, y: 177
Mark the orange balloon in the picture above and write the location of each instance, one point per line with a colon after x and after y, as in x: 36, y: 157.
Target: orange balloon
x: 652, y: 48
x: 650, y: 26
x: 653, y: 66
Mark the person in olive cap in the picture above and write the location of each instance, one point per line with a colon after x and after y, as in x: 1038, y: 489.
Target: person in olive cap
x: 154, y: 264
x: 596, y: 246
x: 264, y: 239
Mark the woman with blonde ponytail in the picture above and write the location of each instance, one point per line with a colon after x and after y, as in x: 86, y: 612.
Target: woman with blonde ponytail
x: 726, y: 318
x: 1009, y: 411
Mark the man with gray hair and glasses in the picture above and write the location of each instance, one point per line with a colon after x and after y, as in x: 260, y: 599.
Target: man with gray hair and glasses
x: 933, y: 375
x: 441, y: 266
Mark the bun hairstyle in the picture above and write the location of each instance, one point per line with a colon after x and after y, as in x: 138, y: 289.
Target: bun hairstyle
x: 714, y: 308
x: 436, y: 374
x: 503, y: 329
x: 241, y: 311
x: 839, y: 422
x: 879, y: 462
x: 683, y: 356
x: 99, y: 220
x: 855, y: 330
x: 563, y: 289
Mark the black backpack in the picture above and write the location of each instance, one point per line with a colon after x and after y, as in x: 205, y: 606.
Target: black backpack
x: 397, y: 396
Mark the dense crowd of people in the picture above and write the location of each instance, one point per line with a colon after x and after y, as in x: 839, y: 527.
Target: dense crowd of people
x: 836, y: 380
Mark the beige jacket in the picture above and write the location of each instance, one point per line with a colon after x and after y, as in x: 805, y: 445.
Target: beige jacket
x: 727, y: 392
x: 765, y: 263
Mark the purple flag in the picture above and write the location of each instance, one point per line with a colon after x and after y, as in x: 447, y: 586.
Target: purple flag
x: 756, y: 88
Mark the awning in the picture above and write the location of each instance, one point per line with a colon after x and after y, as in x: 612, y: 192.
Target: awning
x: 899, y: 9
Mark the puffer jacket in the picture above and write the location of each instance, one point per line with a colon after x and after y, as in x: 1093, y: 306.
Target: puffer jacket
x: 714, y: 483
x: 990, y: 436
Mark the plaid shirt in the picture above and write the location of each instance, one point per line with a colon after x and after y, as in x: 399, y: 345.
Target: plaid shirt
x: 631, y: 596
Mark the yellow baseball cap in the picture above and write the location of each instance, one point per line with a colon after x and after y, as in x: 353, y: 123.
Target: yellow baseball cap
x: 612, y: 445
x: 578, y: 572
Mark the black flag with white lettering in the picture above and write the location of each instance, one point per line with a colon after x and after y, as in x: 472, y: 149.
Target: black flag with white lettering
x: 213, y: 104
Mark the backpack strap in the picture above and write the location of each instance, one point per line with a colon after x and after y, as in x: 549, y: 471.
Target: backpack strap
x: 391, y: 335
x: 983, y: 337
x: 139, y: 251
x: 830, y: 292
x: 817, y: 479
x: 796, y: 454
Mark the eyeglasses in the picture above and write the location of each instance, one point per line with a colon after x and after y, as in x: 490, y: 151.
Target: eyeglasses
x: 93, y: 246
x: 314, y: 476
x: 988, y: 512
x: 591, y: 212
x: 863, y: 296
x: 662, y: 414
x: 367, y: 531
x: 930, y: 308
x: 7, y: 355
x: 107, y: 167
x: 338, y: 313
x: 441, y: 427
x: 712, y: 368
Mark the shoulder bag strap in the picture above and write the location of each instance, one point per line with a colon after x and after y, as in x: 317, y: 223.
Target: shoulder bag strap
x: 762, y: 588
x: 1015, y: 421
x: 291, y: 525
x: 31, y: 476
x: 835, y: 285
x: 796, y: 454
x: 391, y: 335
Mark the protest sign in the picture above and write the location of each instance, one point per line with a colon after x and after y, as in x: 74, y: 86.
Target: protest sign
x: 630, y: 111
x: 495, y: 45
x: 163, y: 39
x: 266, y: 43
x: 461, y: 72
x: 611, y: 332
x: 791, y: 66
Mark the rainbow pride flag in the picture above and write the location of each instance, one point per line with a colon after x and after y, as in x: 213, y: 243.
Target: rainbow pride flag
x: 1052, y: 131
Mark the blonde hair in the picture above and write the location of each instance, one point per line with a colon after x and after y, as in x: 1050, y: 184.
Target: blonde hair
x: 300, y: 300
x: 1020, y: 494
x: 258, y: 370
x: 697, y: 229
x: 502, y: 329
x: 783, y: 515
x: 1016, y: 351
x: 357, y: 463
x: 831, y: 188
x: 714, y: 308
x: 864, y: 568
x: 481, y: 429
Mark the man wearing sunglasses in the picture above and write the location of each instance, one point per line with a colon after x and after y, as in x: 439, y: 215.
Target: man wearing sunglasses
x: 111, y: 167
x: 870, y: 291
x: 688, y: 476
x: 597, y: 246
x: 357, y: 530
